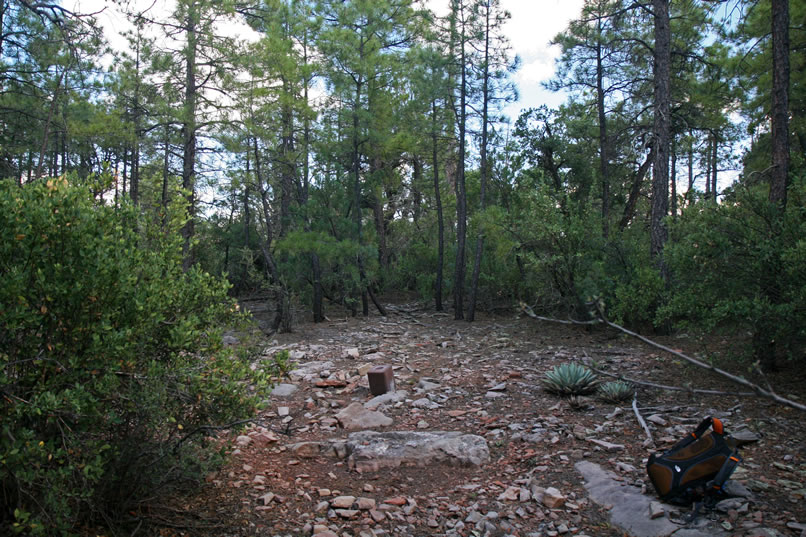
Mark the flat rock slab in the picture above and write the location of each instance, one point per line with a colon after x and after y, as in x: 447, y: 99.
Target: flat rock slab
x: 630, y: 510
x: 370, y: 451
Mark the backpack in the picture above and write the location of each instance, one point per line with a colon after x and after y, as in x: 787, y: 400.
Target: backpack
x: 695, y: 468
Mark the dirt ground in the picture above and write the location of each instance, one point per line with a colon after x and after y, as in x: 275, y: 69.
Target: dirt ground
x: 534, y: 437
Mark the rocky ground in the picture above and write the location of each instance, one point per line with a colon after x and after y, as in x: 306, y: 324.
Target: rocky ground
x: 523, y: 462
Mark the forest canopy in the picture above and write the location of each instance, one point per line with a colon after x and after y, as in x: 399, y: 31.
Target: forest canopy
x: 347, y: 150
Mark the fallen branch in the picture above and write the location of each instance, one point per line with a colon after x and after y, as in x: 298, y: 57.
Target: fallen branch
x: 666, y: 387
x: 204, y: 428
x: 769, y: 394
x: 758, y: 390
x: 642, y: 422
x: 530, y: 312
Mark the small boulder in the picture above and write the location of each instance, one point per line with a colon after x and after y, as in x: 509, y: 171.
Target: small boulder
x: 284, y: 390
x: 356, y: 416
x: 553, y: 498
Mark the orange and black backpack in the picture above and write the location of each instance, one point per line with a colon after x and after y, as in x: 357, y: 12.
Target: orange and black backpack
x: 695, y: 469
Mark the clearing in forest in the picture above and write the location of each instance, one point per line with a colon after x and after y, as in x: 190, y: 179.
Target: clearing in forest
x: 290, y: 472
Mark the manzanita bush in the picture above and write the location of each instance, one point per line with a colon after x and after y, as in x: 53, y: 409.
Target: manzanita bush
x: 110, y: 358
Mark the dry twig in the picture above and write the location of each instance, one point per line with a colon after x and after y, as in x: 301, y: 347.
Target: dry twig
x: 642, y: 422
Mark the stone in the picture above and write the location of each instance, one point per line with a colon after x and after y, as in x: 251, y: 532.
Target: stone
x: 348, y: 514
x: 365, y: 504
x: 657, y: 419
x: 310, y: 371
x: 388, y: 398
x: 427, y: 385
x: 736, y: 489
x: 377, y: 516
x: 494, y: 395
x: 425, y: 403
x: 352, y: 353
x: 342, y: 502
x: 629, y: 509
x: 422, y: 424
x: 356, y: 416
x: 625, y: 468
x: 283, y: 411
x: 229, y: 340
x: 308, y: 450
x: 243, y: 441
x: 502, y: 387
x: 323, y: 492
x: 371, y: 451
x: 284, y: 390
x: 552, y: 498
x: 330, y: 383
x: 607, y: 445
x: 512, y: 494
x: 267, y: 498
x: 264, y: 438
x: 396, y: 501
x: 730, y: 504
x: 744, y: 437
x: 656, y: 510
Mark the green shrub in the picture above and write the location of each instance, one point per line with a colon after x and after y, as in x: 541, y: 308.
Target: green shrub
x: 570, y: 379
x: 110, y: 359
x: 736, y: 265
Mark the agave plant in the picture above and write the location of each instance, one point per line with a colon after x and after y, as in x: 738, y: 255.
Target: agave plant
x: 570, y: 379
x: 616, y: 392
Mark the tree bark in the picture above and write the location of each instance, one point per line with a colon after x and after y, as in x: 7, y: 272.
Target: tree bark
x: 461, y: 195
x: 603, y: 142
x: 189, y: 135
x: 485, y: 96
x: 635, y: 190
x: 661, y: 130
x: 673, y: 176
x: 714, y: 165
x: 438, y: 201
x: 780, y: 103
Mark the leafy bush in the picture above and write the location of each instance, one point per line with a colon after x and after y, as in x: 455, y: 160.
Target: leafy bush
x: 736, y: 265
x: 110, y: 359
x: 570, y: 379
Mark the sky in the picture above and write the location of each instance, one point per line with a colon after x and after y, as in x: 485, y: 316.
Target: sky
x: 533, y: 25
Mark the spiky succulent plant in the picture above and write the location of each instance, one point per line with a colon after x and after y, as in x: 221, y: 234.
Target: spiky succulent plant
x: 570, y: 379
x: 616, y: 391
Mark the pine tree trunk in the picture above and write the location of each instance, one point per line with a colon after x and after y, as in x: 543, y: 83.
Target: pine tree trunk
x: 485, y: 96
x: 189, y: 137
x: 461, y: 195
x: 661, y: 130
x: 438, y: 201
x: 603, y: 142
x: 780, y: 103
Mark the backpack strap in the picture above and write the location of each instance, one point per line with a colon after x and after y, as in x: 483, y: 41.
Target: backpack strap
x: 715, y: 486
x: 704, y: 425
